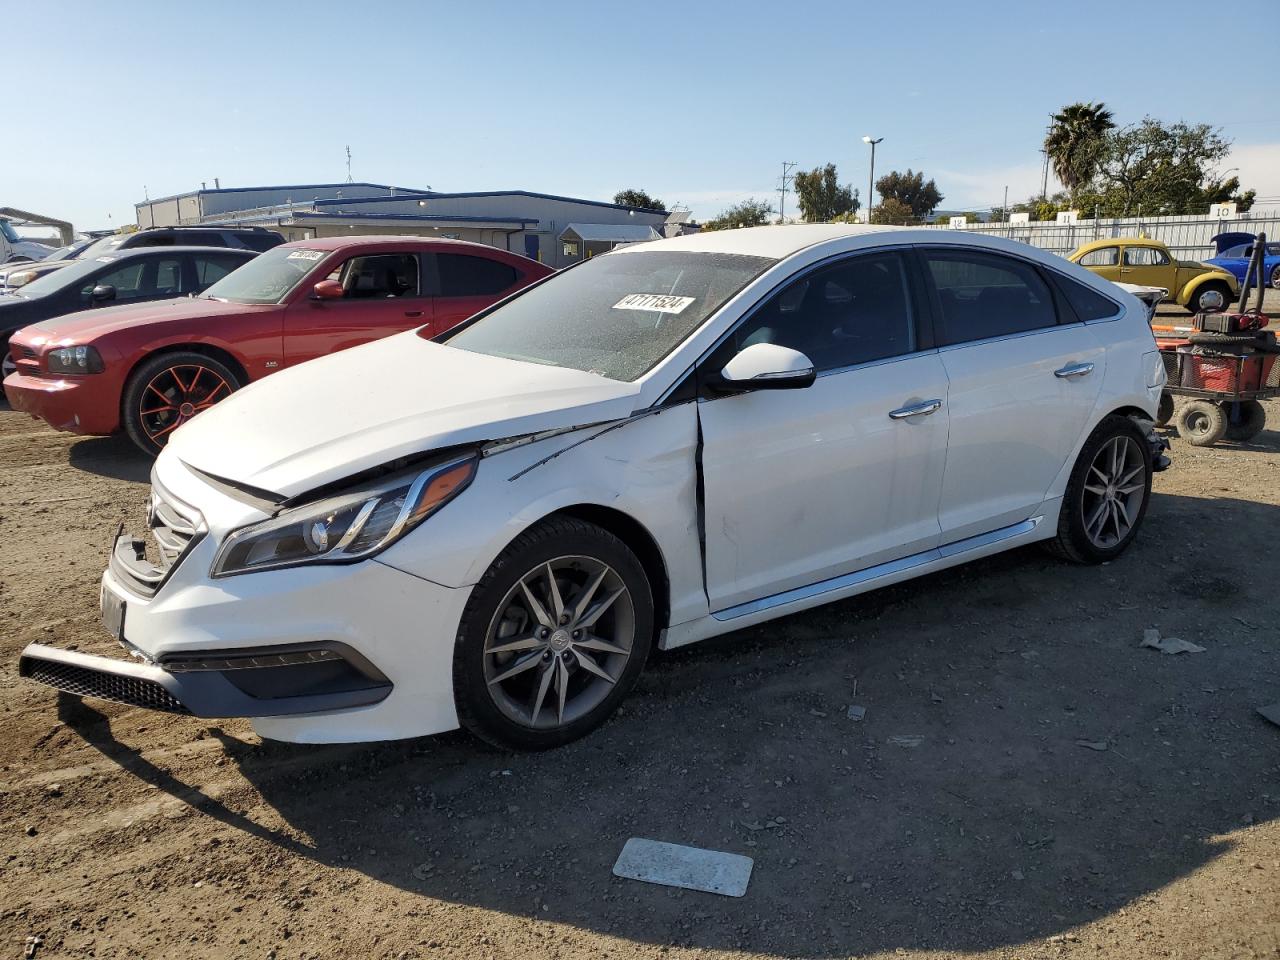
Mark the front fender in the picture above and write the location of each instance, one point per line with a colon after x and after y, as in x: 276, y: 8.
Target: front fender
x: 1193, y: 285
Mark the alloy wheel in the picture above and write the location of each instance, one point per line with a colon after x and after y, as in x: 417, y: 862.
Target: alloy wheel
x: 560, y: 641
x: 1210, y: 300
x: 1114, y: 489
x: 175, y: 395
x: 1275, y: 277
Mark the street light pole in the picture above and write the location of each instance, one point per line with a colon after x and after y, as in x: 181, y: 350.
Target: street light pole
x: 871, y: 180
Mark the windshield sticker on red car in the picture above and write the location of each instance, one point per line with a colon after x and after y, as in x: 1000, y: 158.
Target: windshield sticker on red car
x: 657, y: 302
x: 305, y: 255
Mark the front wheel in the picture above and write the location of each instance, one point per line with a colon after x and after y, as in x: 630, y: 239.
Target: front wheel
x: 1107, y: 495
x: 553, y: 636
x: 1210, y: 298
x: 166, y: 391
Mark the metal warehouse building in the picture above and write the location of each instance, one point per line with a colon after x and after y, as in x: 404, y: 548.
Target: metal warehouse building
x: 555, y: 230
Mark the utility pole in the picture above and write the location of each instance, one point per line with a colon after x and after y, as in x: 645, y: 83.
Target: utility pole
x: 349, y: 180
x: 783, y: 183
x: 1005, y: 209
x: 1044, y: 177
x: 871, y: 179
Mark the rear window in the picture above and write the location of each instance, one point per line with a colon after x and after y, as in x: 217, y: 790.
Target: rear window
x: 467, y: 276
x: 261, y: 242
x: 1087, y: 303
x: 985, y: 295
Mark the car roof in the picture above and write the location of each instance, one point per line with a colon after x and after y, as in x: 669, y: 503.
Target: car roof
x: 369, y: 240
x: 128, y: 252
x: 775, y: 242
x: 1118, y: 242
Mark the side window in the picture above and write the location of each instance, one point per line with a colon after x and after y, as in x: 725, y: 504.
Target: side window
x: 855, y: 311
x: 1087, y: 303
x: 200, y: 238
x: 261, y: 242
x: 127, y: 280
x: 168, y: 277
x: 1144, y: 257
x: 213, y: 267
x: 147, y: 239
x: 463, y: 275
x: 986, y: 295
x: 1105, y: 257
x: 379, y: 277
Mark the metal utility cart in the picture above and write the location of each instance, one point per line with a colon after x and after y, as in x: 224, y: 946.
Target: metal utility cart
x: 1226, y: 365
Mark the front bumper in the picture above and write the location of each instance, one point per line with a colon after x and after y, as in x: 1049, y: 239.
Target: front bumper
x: 272, y: 688
x: 87, y: 405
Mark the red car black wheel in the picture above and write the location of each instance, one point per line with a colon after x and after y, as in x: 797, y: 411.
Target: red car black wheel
x: 167, y: 391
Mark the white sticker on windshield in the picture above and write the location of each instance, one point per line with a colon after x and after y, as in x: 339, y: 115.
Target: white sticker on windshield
x: 658, y: 302
x: 305, y: 255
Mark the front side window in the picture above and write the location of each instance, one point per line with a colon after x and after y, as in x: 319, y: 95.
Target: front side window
x: 1105, y: 257
x: 139, y: 279
x: 378, y: 277
x: 1144, y: 257
x: 462, y: 275
x: 267, y: 278
x: 616, y: 315
x: 985, y: 295
x: 853, y: 312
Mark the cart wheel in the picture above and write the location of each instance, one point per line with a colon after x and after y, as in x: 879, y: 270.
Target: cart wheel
x: 1165, y: 412
x: 1202, y: 423
x: 1253, y: 417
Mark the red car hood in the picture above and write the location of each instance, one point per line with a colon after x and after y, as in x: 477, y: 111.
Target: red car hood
x: 90, y: 324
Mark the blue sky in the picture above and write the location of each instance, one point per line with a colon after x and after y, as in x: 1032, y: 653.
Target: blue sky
x: 696, y: 102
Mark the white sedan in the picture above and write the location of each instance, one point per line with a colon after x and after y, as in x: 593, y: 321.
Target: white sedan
x: 668, y: 442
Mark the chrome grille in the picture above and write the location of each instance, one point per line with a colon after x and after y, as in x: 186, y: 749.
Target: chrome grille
x: 172, y: 523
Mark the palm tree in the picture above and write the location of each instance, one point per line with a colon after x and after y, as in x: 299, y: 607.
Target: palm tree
x: 1075, y: 134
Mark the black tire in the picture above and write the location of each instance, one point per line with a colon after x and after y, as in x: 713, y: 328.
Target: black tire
x: 557, y: 537
x: 1072, y: 542
x: 1214, y: 286
x: 1251, y: 422
x: 1275, y: 277
x: 1202, y: 423
x: 146, y: 425
x: 1165, y: 412
x: 1211, y: 338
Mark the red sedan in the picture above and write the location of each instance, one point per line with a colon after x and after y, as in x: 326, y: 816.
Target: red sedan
x: 150, y: 368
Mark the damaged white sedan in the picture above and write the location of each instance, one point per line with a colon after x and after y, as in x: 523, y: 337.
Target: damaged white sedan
x: 668, y: 442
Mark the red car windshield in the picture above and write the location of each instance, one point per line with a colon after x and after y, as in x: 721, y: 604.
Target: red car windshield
x: 268, y: 278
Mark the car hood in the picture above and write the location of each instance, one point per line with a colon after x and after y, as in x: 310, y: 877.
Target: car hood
x: 87, y: 325
x: 358, y: 409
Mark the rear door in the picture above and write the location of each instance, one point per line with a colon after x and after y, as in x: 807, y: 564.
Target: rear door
x: 1022, y: 386
x: 382, y: 295
x: 464, y: 284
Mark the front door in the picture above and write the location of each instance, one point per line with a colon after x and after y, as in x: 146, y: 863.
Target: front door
x: 381, y: 296
x: 1104, y: 261
x: 808, y: 484
x: 1149, y: 267
x: 1021, y: 387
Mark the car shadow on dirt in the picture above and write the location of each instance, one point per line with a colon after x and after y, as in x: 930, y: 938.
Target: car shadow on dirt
x: 1023, y: 767
x: 115, y: 457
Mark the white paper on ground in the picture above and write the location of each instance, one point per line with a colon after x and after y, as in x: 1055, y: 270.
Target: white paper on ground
x: 692, y: 868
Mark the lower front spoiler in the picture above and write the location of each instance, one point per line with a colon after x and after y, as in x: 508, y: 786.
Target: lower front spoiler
x: 201, y: 693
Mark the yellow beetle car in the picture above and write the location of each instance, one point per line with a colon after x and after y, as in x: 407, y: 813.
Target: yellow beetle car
x: 1196, y: 286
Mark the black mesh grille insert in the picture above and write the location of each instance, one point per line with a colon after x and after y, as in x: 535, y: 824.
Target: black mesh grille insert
x: 105, y: 686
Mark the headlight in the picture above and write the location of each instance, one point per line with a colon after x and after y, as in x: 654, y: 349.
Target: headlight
x: 74, y: 360
x: 19, y: 278
x: 347, y: 527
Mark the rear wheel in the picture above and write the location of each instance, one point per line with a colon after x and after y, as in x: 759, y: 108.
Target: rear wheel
x: 553, y: 636
x: 1250, y: 421
x: 1210, y: 298
x: 165, y: 392
x: 1275, y: 276
x: 1106, y: 497
x: 1202, y: 423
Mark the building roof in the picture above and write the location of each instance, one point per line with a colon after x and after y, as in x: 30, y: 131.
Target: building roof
x: 611, y: 232
x: 289, y: 186
x: 543, y: 196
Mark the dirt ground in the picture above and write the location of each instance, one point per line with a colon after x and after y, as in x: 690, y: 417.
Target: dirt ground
x: 1060, y: 792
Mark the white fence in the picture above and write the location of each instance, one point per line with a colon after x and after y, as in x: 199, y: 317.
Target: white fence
x: 1189, y: 238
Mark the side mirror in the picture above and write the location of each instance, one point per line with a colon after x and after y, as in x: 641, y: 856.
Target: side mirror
x: 768, y: 366
x: 103, y: 292
x: 327, y: 290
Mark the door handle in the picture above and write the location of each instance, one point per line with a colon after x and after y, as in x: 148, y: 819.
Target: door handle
x: 922, y: 409
x: 413, y: 313
x: 1074, y: 370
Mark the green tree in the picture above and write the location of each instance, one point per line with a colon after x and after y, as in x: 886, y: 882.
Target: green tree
x: 638, y: 198
x: 822, y: 198
x: 748, y: 213
x: 910, y: 190
x: 1077, y: 136
x: 891, y: 210
x: 1153, y: 168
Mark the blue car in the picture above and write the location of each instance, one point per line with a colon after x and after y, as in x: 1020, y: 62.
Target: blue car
x: 1235, y: 250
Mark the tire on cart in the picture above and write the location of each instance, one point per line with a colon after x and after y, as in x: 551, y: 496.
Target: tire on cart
x: 1202, y: 423
x: 1164, y: 412
x: 1251, y: 420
